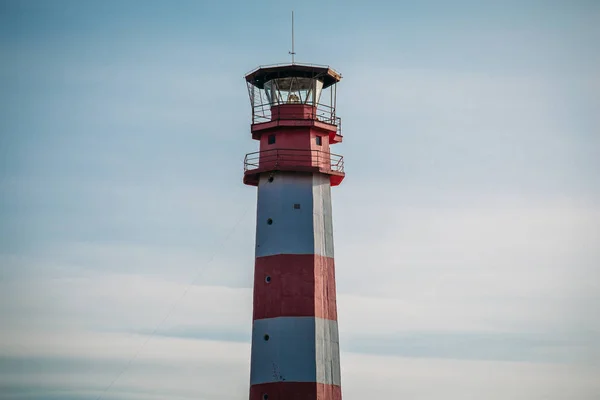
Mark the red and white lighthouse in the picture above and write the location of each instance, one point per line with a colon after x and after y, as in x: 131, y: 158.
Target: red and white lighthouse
x: 295, y: 346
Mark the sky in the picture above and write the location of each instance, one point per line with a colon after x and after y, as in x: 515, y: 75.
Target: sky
x: 467, y: 229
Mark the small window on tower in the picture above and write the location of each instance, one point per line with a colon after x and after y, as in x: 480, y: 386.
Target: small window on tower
x: 319, y: 142
x: 271, y: 139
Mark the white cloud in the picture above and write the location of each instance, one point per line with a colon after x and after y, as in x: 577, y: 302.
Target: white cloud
x: 219, y: 370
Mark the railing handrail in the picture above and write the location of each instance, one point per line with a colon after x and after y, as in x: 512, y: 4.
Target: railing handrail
x: 335, y: 121
x: 330, y: 120
x: 290, y: 149
x: 263, y: 112
x: 335, y: 161
x: 307, y: 103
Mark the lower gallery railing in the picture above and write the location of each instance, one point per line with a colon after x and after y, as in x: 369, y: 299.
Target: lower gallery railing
x: 282, y: 158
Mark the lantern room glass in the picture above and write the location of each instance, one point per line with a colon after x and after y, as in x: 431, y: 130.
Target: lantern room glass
x: 293, y: 90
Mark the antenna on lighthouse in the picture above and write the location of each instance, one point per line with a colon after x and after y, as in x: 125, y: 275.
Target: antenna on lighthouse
x: 292, y: 52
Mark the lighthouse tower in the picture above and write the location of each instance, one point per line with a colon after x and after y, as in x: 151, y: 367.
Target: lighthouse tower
x: 295, y: 347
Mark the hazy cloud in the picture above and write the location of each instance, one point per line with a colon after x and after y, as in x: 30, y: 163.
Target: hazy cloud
x: 466, y: 230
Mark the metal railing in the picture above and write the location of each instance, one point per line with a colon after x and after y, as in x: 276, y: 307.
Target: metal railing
x: 264, y: 113
x: 291, y: 158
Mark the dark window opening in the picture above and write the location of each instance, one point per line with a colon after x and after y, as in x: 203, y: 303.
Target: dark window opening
x: 296, y: 206
x: 271, y: 139
x: 319, y: 140
x: 266, y: 337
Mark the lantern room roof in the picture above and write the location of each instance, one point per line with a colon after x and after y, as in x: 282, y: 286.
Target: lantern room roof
x: 263, y: 74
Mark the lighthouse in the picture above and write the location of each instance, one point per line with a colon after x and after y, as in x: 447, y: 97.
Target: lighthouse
x: 295, y: 344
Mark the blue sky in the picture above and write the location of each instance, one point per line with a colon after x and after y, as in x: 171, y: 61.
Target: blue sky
x: 466, y: 230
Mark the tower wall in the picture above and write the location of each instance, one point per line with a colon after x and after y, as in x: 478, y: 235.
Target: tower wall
x: 295, y: 345
x: 299, y: 138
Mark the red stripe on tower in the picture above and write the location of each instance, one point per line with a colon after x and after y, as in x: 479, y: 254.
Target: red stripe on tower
x: 294, y: 285
x: 296, y: 391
